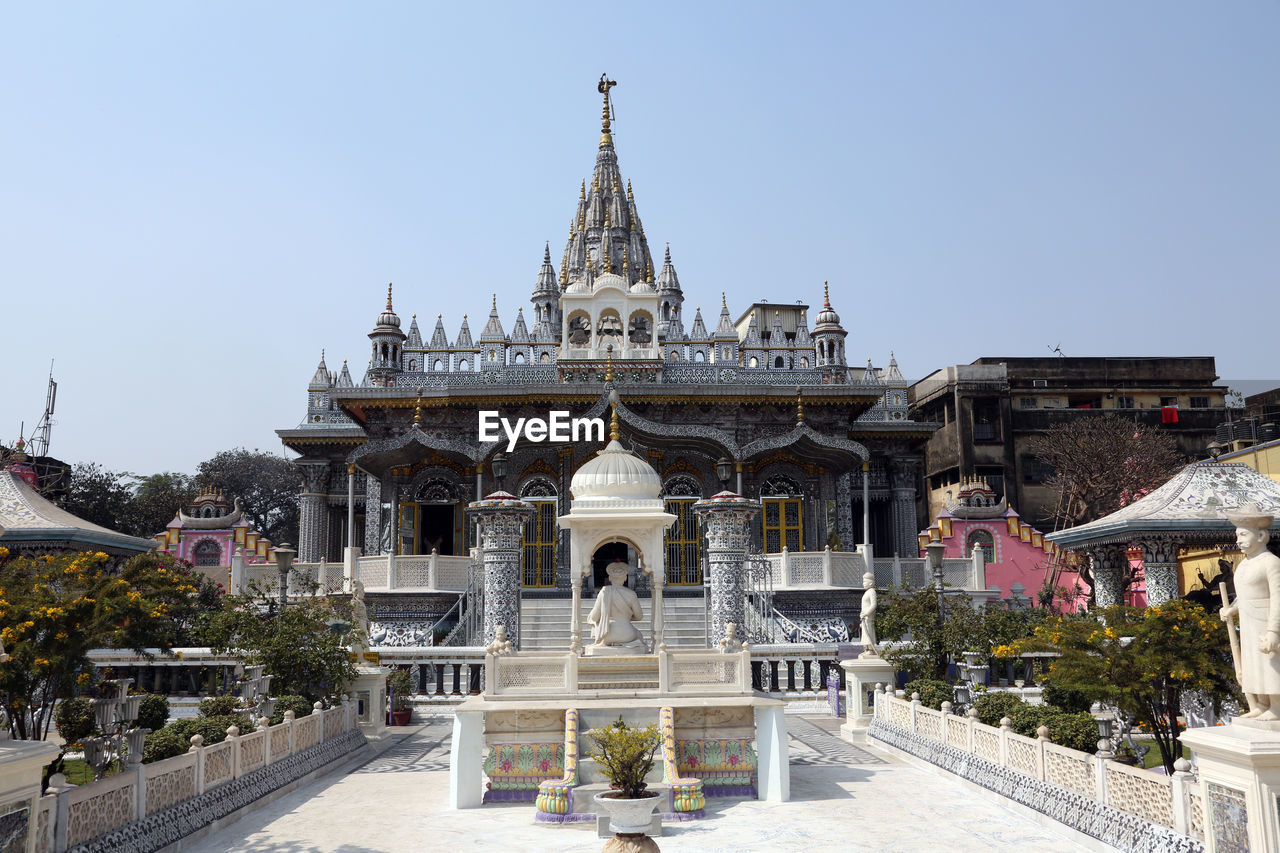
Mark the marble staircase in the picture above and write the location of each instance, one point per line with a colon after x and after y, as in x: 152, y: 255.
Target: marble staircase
x: 544, y: 622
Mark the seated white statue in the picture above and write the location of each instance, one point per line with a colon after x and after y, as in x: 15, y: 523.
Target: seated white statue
x: 611, y: 616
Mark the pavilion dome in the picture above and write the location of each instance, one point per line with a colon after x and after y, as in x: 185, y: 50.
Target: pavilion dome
x: 616, y: 472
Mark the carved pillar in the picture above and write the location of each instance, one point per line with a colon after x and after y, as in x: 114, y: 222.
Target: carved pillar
x: 903, y: 508
x: 373, y: 516
x: 1108, y: 575
x: 502, y: 517
x: 726, y: 519
x: 844, y: 511
x: 312, y: 533
x: 1160, y: 566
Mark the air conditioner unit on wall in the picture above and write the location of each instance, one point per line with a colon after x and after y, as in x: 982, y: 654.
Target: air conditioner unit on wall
x: 1039, y: 383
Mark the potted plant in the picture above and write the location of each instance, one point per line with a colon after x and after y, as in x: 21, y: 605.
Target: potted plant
x: 625, y: 756
x: 400, y: 686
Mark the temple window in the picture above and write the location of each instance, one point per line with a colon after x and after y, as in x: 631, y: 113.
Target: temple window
x: 207, y: 553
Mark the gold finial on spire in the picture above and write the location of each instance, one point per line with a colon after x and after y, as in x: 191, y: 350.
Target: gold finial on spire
x: 799, y: 408
x: 629, y: 193
x: 582, y: 193
x: 826, y: 295
x: 605, y: 264
x: 723, y: 303
x: 648, y: 271
x: 595, y: 183
x: 625, y: 268
x: 417, y: 409
x: 606, y: 138
x: 564, y: 269
x: 616, y: 189
x: 494, y: 306
x: 388, y: 296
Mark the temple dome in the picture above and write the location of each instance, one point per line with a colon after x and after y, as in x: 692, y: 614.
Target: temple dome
x: 616, y: 472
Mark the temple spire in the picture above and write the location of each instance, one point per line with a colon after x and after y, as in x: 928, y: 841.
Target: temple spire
x: 606, y: 138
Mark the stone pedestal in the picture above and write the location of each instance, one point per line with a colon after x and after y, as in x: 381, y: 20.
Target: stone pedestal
x: 466, y: 755
x: 1240, y: 785
x: 861, y: 677
x: 370, y: 691
x: 502, y: 518
x: 773, y: 745
x: 725, y: 518
x: 21, y: 763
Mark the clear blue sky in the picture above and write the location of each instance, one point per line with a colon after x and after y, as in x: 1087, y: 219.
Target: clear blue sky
x: 197, y: 197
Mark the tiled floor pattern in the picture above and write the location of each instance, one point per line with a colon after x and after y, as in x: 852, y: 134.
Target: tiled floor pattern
x: 843, y: 798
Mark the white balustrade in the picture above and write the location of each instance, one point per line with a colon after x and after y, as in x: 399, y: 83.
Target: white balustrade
x: 71, y: 815
x: 1174, y: 803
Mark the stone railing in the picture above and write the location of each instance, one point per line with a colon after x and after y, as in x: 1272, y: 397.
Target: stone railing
x: 816, y: 569
x: 679, y: 671
x: 794, y: 670
x: 966, y: 573
x: 149, y: 806
x: 1125, y: 807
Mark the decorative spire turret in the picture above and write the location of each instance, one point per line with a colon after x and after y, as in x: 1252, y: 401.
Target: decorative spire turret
x: 828, y: 334
x: 439, y: 341
x: 320, y: 379
x: 605, y: 218
x: 344, y: 378
x: 415, y: 337
x: 386, y: 340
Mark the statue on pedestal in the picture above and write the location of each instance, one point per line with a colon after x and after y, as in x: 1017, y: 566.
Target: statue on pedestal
x: 611, y: 617
x: 868, y: 617
x: 1257, y: 605
x: 359, y: 619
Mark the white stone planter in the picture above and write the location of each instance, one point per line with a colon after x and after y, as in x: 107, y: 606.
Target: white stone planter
x: 628, y: 816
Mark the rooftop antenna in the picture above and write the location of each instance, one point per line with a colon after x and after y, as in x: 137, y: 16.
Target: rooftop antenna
x: 40, y: 435
x: 1058, y: 350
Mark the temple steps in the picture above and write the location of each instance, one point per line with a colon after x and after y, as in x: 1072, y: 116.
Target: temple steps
x: 544, y: 623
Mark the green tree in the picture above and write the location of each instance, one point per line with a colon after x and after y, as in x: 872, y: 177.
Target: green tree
x: 55, y: 609
x: 267, y: 485
x: 100, y: 496
x: 304, y: 647
x: 155, y: 501
x: 923, y: 645
x: 1141, y: 661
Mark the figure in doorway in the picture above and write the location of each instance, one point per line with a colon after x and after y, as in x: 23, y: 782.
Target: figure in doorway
x: 615, y: 609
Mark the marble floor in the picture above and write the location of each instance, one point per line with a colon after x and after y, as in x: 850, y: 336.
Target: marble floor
x: 843, y: 798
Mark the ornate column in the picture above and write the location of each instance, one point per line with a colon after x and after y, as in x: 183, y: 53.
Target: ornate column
x: 502, y: 517
x: 903, y: 480
x: 726, y: 517
x: 312, y: 535
x: 372, y: 515
x: 1160, y: 566
x: 1108, y: 575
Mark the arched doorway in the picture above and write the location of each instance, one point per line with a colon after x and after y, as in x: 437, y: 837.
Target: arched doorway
x: 430, y: 520
x: 601, y: 559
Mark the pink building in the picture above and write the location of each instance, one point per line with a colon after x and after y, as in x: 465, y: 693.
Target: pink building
x: 211, y: 535
x: 1019, y: 560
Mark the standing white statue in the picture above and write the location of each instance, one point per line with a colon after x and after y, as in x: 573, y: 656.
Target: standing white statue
x: 359, y: 618
x: 868, y: 617
x: 611, y: 616
x: 1257, y: 604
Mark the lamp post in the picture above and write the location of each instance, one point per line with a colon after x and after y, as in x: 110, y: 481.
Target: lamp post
x: 724, y: 470
x: 1104, y: 737
x: 284, y: 555
x: 935, y: 550
x: 499, y: 468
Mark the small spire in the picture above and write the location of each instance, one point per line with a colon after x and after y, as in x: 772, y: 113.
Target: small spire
x: 564, y: 270
x: 724, y: 305
x: 582, y: 193
x: 667, y: 259
x: 388, y: 296
x: 826, y: 295
x: 799, y: 409
x: 630, y: 194
x: 605, y: 263
x: 648, y: 273
x: 546, y: 253
x: 615, y: 185
x: 417, y: 410
x: 608, y: 365
x: 625, y: 269
x: 494, y: 306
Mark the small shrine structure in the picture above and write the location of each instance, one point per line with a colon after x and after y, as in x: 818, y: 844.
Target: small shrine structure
x: 212, y: 534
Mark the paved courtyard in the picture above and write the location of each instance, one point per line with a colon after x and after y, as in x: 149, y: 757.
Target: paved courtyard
x: 843, y: 798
